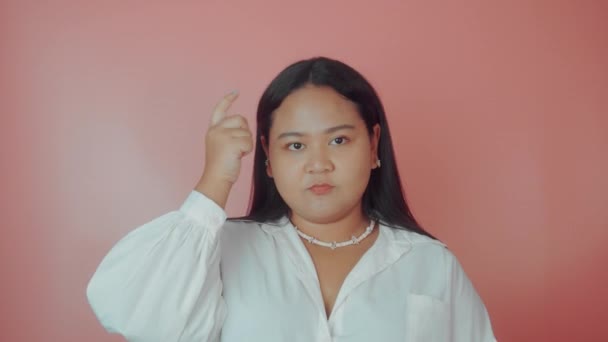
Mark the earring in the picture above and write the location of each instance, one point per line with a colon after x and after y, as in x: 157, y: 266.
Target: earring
x: 266, y: 162
x: 378, y: 163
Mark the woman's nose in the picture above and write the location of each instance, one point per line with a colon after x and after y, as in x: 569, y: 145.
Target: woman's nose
x: 319, y: 162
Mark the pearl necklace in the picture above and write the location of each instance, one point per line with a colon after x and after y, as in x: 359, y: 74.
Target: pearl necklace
x: 333, y: 245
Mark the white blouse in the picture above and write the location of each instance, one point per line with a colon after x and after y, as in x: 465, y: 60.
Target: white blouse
x: 192, y: 276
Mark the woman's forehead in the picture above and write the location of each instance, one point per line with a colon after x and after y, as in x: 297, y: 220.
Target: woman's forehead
x: 315, y: 110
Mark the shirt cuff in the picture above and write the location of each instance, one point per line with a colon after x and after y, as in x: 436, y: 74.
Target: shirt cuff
x: 202, y: 209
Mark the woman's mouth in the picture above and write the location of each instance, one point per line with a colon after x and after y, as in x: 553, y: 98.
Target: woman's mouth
x: 321, y: 189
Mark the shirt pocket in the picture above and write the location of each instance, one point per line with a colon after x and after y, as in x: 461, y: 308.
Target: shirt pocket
x: 426, y: 319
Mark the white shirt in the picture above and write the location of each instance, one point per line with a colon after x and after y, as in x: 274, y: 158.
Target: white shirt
x: 191, y: 276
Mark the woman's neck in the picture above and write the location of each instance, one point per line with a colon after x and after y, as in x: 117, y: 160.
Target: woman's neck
x: 332, y: 229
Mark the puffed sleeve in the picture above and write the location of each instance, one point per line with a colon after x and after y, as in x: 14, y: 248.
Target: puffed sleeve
x: 161, y: 282
x: 470, y: 321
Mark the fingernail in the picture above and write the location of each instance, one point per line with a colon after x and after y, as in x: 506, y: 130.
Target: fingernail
x: 234, y: 92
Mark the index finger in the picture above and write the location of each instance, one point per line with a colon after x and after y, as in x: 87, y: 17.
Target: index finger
x: 220, y: 109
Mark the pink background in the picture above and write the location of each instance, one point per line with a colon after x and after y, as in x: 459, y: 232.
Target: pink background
x: 499, y: 111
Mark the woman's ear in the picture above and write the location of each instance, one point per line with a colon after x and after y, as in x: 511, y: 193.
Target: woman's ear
x: 267, y: 161
x: 375, y: 139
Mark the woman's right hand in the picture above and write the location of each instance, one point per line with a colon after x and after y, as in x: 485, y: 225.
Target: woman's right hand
x: 227, y: 141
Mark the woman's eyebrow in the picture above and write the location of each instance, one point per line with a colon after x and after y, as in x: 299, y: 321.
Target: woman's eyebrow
x: 326, y: 131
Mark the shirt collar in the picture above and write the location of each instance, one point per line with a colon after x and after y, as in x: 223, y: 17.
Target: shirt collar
x: 390, y: 245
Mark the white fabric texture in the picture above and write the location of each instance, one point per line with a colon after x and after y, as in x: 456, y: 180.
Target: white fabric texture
x: 190, y: 275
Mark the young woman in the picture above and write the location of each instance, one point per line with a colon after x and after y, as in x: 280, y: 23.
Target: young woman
x: 329, y: 250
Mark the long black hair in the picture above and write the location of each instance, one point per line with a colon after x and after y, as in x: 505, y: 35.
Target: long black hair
x: 383, y: 199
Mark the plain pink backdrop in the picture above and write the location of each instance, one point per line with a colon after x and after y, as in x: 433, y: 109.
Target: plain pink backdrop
x: 499, y: 111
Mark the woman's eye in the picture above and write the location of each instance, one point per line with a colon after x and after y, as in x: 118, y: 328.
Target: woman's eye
x: 339, y: 140
x: 295, y: 146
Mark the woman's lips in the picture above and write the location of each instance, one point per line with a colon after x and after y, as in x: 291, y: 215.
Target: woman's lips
x: 321, y: 189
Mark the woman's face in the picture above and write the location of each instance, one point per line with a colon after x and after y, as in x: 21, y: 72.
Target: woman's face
x: 320, y: 154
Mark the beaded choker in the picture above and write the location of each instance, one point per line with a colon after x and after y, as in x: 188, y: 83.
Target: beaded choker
x: 333, y: 245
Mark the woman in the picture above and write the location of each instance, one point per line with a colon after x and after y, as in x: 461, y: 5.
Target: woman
x: 328, y: 252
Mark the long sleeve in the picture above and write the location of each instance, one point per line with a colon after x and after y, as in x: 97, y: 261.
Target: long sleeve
x: 470, y: 320
x: 161, y: 282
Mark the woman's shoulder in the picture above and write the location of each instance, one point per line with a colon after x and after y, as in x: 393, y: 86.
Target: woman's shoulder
x: 237, y: 226
x: 415, y: 239
x: 248, y: 241
x: 428, y: 251
x: 421, y: 245
x: 248, y: 229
